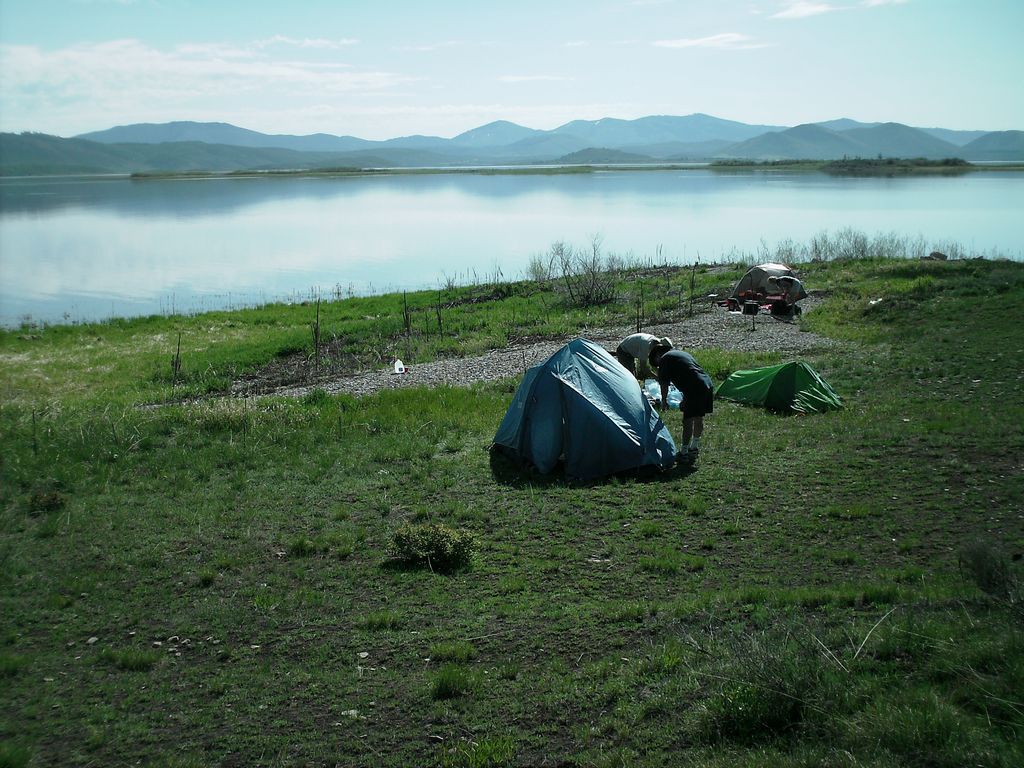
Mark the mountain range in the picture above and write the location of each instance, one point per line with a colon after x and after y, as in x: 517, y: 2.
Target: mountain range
x: 192, y: 146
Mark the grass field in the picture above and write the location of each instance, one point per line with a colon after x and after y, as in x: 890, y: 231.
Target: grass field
x: 192, y: 580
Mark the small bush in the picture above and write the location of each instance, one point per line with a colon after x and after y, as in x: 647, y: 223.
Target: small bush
x: 301, y: 547
x: 46, y: 501
x: 10, y: 665
x: 131, y: 659
x: 456, y: 650
x: 14, y: 755
x: 990, y: 569
x: 747, y: 713
x: 437, y: 546
x: 767, y: 691
x: 486, y: 753
x: 451, y: 682
x: 381, y: 620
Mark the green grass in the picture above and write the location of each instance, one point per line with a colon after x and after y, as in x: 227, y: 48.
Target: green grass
x: 819, y: 588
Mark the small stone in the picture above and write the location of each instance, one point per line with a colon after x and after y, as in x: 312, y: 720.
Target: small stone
x: 92, y: 640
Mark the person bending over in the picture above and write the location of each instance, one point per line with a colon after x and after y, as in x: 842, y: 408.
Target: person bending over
x: 634, y: 352
x: 680, y: 368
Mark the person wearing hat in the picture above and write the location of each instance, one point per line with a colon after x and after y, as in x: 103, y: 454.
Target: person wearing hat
x: 680, y: 368
x: 634, y: 352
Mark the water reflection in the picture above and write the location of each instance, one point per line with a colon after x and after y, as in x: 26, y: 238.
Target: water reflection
x: 96, y: 247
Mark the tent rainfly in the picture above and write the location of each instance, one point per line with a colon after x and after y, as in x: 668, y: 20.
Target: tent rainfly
x: 584, y: 406
x: 787, y: 387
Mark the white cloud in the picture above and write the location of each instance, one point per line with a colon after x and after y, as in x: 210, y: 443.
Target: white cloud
x: 316, y: 43
x: 533, y: 79
x: 91, y: 83
x: 725, y: 41
x: 427, y: 47
x: 801, y: 9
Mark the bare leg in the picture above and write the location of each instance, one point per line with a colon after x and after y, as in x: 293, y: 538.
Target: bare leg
x: 688, y: 425
x: 698, y: 427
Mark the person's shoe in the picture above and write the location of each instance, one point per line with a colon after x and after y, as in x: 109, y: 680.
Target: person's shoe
x: 683, y: 457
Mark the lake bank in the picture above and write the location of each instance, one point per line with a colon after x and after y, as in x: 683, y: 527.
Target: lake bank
x: 881, y: 167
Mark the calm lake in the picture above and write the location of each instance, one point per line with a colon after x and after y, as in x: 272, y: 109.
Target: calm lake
x: 92, y: 248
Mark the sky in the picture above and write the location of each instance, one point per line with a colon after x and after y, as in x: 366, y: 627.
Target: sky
x: 379, y: 69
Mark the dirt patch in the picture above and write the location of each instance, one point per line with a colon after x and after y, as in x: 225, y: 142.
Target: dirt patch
x: 714, y: 327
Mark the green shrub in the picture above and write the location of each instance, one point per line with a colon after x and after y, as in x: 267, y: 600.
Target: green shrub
x: 990, y: 569
x: 10, y: 665
x: 748, y: 713
x: 456, y: 650
x: 485, y: 753
x: 381, y: 620
x: 14, y: 755
x: 131, y: 659
x: 768, y: 691
x: 452, y: 681
x: 46, y: 501
x: 437, y: 546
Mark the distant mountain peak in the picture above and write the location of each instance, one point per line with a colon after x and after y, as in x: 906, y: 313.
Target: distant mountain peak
x: 190, y: 145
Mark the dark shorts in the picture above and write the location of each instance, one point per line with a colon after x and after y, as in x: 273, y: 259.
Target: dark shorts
x: 698, y: 402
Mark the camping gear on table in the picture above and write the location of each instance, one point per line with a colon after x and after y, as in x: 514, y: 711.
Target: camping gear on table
x: 581, y: 405
x: 762, y: 284
x: 787, y: 387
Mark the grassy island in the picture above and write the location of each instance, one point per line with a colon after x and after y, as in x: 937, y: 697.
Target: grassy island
x: 882, y: 166
x: 192, y: 578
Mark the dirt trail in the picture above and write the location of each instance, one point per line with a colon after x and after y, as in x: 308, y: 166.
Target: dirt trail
x: 713, y: 328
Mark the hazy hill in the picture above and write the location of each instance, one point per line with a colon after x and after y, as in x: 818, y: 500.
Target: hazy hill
x: 845, y: 124
x: 804, y: 142
x: 222, y: 133
x: 36, y: 153
x: 679, y: 150
x: 27, y: 154
x: 500, y: 133
x: 183, y: 145
x: 998, y: 145
x: 601, y: 156
x: 959, y: 138
x: 610, y: 132
x: 816, y: 142
x: 544, y: 146
x: 898, y: 140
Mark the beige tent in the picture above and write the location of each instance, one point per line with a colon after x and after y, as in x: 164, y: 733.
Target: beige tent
x: 755, y: 284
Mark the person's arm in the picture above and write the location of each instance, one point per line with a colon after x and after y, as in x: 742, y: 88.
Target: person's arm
x: 664, y: 395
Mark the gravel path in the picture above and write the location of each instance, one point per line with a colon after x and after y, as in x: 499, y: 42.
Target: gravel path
x: 714, y: 328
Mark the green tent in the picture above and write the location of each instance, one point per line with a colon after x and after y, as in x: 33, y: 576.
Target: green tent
x: 787, y: 387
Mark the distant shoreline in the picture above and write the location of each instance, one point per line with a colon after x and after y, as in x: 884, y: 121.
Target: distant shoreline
x: 856, y: 167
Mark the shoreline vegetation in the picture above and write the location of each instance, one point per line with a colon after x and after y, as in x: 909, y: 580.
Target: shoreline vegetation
x: 596, y: 271
x: 844, y: 167
x: 193, y: 578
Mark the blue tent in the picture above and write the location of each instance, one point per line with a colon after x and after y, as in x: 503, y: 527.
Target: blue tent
x: 584, y: 406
